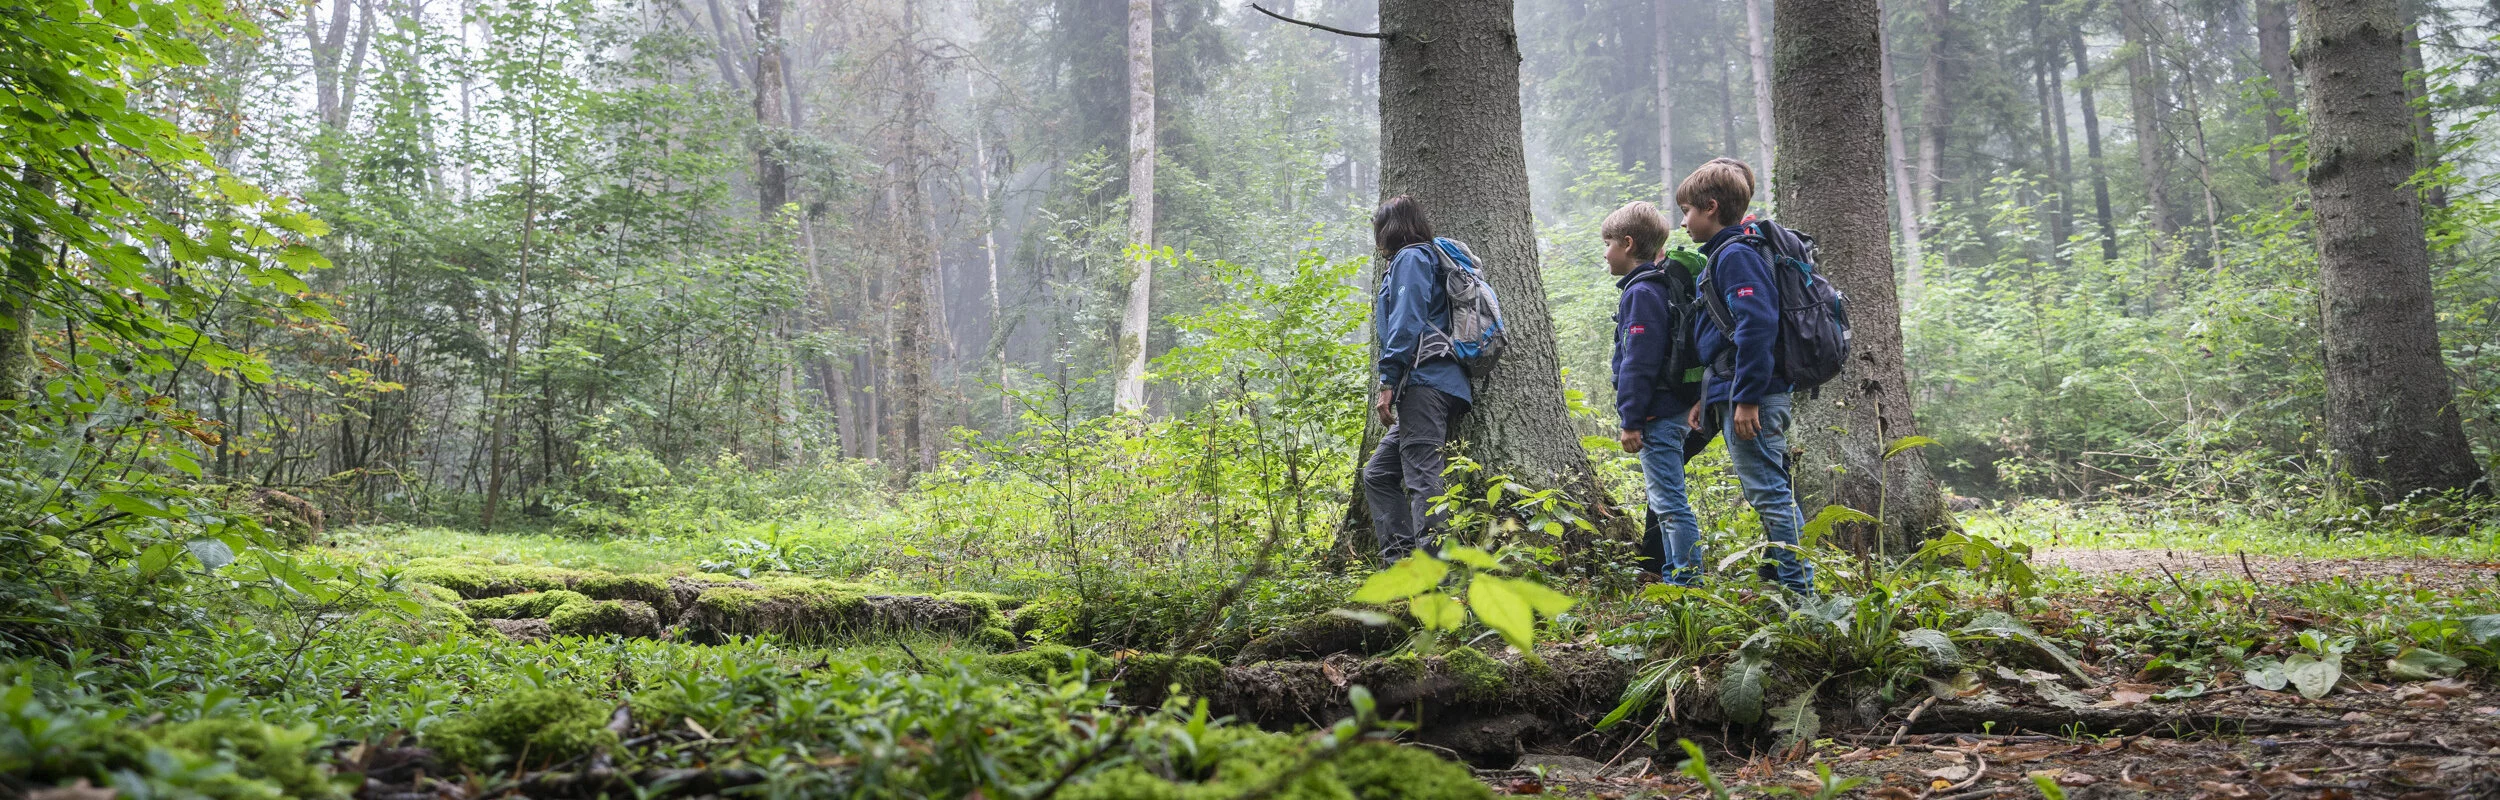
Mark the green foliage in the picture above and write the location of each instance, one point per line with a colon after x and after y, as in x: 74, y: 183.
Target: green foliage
x: 532, y: 605
x: 535, y: 726
x: 1509, y: 606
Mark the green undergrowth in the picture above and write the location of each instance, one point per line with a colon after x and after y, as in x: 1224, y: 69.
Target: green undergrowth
x: 2470, y: 537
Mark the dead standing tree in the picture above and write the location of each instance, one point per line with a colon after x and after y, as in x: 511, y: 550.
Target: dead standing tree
x: 1450, y: 137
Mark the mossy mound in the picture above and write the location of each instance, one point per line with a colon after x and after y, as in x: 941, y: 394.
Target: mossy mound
x: 477, y: 578
x: 1145, y: 680
x: 1043, y: 661
x: 293, y: 521
x: 1480, y: 678
x: 428, y: 591
x: 1321, y: 635
x: 605, y: 618
x: 984, y: 604
x: 542, y: 725
x: 651, y: 590
x: 1244, y: 761
x: 287, y: 757
x: 994, y: 639
x: 534, y: 605
x: 812, y: 610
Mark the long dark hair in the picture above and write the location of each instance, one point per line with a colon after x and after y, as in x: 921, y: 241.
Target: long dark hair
x: 1398, y: 223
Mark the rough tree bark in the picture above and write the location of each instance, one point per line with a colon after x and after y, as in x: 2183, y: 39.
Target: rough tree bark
x: 2392, y: 419
x: 918, y: 250
x: 1131, y: 390
x: 2274, y: 53
x: 25, y: 276
x: 1897, y: 159
x: 2146, y: 88
x: 1450, y: 136
x: 1829, y: 60
x: 2092, y: 147
x: 1766, y: 135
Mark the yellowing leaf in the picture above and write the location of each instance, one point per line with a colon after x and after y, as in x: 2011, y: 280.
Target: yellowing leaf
x: 1405, y: 579
x: 1437, y: 611
x: 1546, y: 601
x: 1503, y: 610
x: 1470, y: 556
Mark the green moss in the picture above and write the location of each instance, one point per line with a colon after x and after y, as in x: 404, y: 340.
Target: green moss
x: 1246, y: 760
x: 806, y: 612
x: 650, y: 589
x: 287, y: 757
x: 995, y: 639
x: 1145, y: 680
x: 1406, y: 666
x: 477, y: 578
x: 1042, y: 661
x: 983, y: 603
x: 1048, y: 619
x: 535, y: 605
x: 428, y: 591
x: 543, y: 725
x: 605, y: 618
x: 1479, y: 677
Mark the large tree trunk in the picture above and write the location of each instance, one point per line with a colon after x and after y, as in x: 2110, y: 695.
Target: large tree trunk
x: 1766, y: 136
x: 1663, y: 66
x: 2145, y: 94
x: 2092, y: 147
x: 2274, y: 52
x: 918, y: 251
x: 772, y: 171
x: 1131, y: 390
x: 25, y: 276
x: 1896, y: 158
x: 2053, y: 51
x: 1450, y: 136
x: 2392, y: 419
x: 1829, y: 62
x: 1936, y: 108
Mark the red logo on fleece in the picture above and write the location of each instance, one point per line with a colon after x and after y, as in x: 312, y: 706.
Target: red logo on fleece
x: 1746, y: 291
x: 1637, y: 330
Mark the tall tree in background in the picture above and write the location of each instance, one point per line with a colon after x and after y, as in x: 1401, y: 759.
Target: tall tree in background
x: 1896, y: 157
x: 1831, y: 182
x: 1766, y: 139
x: 2147, y: 90
x: 2092, y: 145
x: 917, y: 253
x: 1131, y: 392
x: 1450, y: 136
x: 2274, y: 54
x: 772, y: 170
x: 2391, y: 408
x: 1664, y: 66
x: 1935, y: 108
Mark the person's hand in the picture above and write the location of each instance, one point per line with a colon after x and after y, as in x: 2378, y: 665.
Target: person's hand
x: 1692, y: 418
x: 1746, y: 422
x: 1386, y: 407
x: 1631, y: 440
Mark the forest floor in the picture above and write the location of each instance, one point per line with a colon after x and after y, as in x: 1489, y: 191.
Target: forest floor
x: 2147, y: 709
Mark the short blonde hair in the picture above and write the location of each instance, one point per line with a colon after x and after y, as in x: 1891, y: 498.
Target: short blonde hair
x: 1724, y: 180
x: 1640, y: 222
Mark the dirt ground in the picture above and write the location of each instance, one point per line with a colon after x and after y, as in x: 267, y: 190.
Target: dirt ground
x: 2270, y: 570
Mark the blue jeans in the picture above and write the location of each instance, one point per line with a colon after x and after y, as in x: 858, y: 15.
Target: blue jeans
x: 1761, y: 464
x: 1678, y: 532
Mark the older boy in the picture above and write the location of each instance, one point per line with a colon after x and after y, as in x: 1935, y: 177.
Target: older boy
x: 1744, y: 395
x: 1653, y: 390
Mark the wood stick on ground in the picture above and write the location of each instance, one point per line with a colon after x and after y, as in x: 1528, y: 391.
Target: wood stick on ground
x: 1911, y: 720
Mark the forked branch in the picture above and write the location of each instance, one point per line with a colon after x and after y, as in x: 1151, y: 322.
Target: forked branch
x: 1337, y: 31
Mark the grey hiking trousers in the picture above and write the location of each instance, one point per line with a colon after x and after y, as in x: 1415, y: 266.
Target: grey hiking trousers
x: 1405, y: 473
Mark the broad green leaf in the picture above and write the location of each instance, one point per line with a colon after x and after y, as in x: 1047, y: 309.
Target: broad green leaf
x: 1830, y: 517
x: 138, y: 506
x: 2003, y: 626
x: 1470, y: 556
x: 1795, y: 720
x: 1740, y: 689
x: 1905, y: 443
x: 1502, y: 609
x: 2483, y: 630
x: 1437, y: 611
x: 157, y: 557
x: 212, y: 553
x: 1412, y: 576
x: 2422, y: 664
x: 1938, y: 647
x: 1546, y: 601
x: 2314, y: 677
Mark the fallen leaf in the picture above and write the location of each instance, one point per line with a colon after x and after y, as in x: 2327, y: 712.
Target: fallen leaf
x: 1336, y: 677
x: 2355, y: 716
x: 1524, y: 786
x: 2076, y: 779
x: 2428, y: 702
x: 2022, y: 754
x: 1947, y: 775
x: 1892, y: 793
x: 2123, y: 697
x: 2390, y: 737
x: 2279, y: 777
x: 2220, y: 789
x: 1951, y: 756
x: 2451, y: 687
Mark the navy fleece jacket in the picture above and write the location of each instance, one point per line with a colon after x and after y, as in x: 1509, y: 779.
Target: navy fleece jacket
x: 1410, y: 300
x: 1742, y: 277
x: 1643, y: 330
